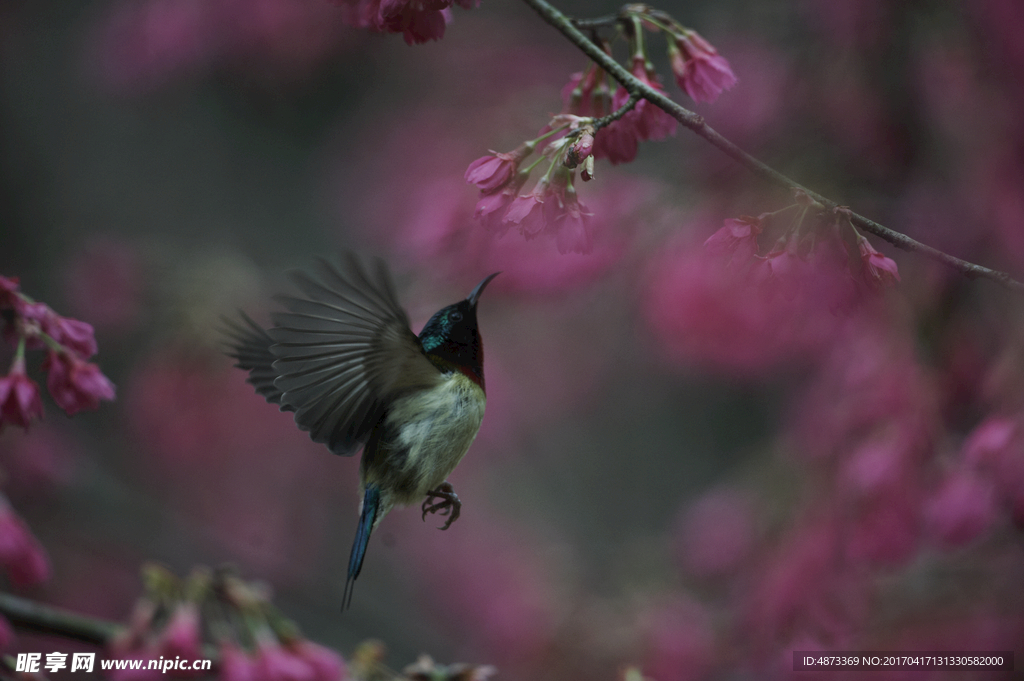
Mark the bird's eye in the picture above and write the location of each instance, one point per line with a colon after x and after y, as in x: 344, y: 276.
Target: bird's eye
x: 455, y: 316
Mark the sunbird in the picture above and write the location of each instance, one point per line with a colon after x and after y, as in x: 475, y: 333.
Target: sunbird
x: 344, y: 359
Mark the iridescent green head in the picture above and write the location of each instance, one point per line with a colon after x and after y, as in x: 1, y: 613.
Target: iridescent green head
x: 451, y: 337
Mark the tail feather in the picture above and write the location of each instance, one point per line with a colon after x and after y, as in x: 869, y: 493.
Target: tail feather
x: 371, y: 505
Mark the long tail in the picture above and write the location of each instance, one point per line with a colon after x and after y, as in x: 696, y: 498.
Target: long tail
x: 371, y: 504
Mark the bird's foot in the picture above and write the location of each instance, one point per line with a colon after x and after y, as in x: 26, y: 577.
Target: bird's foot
x: 449, y: 505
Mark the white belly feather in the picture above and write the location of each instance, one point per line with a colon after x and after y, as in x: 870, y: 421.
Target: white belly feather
x: 437, y: 427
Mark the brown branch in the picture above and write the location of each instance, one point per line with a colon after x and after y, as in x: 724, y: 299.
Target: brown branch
x: 618, y: 113
x: 695, y: 122
x: 45, y: 619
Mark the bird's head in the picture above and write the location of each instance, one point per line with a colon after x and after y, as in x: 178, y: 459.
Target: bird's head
x: 451, y: 337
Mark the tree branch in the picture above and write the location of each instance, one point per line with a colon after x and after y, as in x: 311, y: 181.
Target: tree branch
x: 696, y: 123
x: 45, y: 619
x: 618, y: 113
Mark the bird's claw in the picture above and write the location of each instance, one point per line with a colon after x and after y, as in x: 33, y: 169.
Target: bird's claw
x: 449, y: 506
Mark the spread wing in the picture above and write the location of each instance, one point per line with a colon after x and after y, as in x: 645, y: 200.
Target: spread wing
x: 250, y: 345
x: 342, y: 352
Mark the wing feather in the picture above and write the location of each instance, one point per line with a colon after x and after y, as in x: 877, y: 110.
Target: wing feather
x: 250, y: 345
x: 343, y: 351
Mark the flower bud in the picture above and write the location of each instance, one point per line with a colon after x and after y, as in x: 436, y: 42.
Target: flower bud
x: 587, y: 174
x: 581, y: 147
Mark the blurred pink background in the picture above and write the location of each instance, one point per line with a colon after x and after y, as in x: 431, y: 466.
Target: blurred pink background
x: 674, y: 471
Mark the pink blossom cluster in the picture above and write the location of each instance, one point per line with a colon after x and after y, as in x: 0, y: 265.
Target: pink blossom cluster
x: 827, y: 246
x: 728, y: 307
x: 700, y: 71
x: 417, y: 20
x: 891, y: 485
x: 886, y: 491
x: 551, y: 207
x: 185, y: 618
x: 74, y: 383
x: 439, y: 230
x: 587, y: 95
x: 581, y: 134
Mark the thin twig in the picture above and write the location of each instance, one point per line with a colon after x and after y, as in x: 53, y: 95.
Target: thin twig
x: 597, y: 22
x: 45, y: 619
x: 695, y: 122
x: 618, y: 113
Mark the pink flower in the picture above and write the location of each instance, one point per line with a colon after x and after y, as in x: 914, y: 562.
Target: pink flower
x: 416, y: 20
x: 30, y: 318
x: 818, y: 279
x: 652, y: 123
x: 275, y: 663
x: 568, y: 219
x: 181, y: 637
x: 988, y: 443
x: 737, y: 238
x: 492, y: 172
x: 76, y: 385
x: 961, y: 509
x: 491, y: 209
x: 236, y: 664
x: 19, y: 397
x: 700, y: 71
x: 587, y: 94
x: 327, y: 664
x: 786, y: 270
x: 20, y: 552
x: 878, y: 270
x: 705, y: 314
x: 527, y: 211
x: 581, y: 147
x: 619, y: 141
x: 73, y: 335
x: 572, y: 233
x: 876, y: 466
x: 534, y: 267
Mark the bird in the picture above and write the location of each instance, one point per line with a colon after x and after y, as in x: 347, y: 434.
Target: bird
x: 343, y: 357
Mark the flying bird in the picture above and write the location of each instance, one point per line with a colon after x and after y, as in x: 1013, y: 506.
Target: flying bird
x: 344, y: 359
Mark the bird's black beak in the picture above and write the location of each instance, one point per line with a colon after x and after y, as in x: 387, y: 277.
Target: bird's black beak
x: 475, y: 295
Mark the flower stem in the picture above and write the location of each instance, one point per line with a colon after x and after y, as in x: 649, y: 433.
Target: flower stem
x: 532, y: 144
